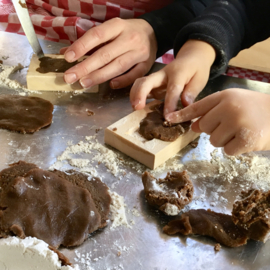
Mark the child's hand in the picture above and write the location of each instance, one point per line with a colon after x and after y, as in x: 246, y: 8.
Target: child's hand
x: 187, y: 74
x: 124, y: 45
x: 235, y: 119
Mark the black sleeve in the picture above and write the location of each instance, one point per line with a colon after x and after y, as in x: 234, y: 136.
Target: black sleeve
x: 168, y: 21
x: 229, y: 26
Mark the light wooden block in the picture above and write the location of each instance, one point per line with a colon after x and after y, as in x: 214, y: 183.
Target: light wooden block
x: 123, y: 135
x: 51, y: 81
x: 256, y: 57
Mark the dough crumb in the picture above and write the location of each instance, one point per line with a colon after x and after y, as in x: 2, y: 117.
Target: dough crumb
x: 217, y: 247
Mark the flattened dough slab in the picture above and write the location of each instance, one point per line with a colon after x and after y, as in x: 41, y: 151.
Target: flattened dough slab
x: 123, y: 135
x: 51, y: 81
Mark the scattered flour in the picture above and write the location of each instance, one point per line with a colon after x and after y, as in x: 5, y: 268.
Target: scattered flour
x: 79, y: 162
x: 224, y: 177
x: 91, y: 146
x: 118, y: 214
x: 6, y: 72
x: 115, y: 161
x: 122, y: 249
x: 84, y: 259
x: 251, y: 168
x: 135, y: 212
x: 215, y: 174
x: 29, y: 254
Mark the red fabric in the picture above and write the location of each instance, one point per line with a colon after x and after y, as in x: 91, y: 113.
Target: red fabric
x: 67, y: 20
x: 51, y: 17
x: 13, y: 27
x: 248, y: 74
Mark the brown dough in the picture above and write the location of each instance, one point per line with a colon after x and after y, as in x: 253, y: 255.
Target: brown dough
x: 217, y: 247
x: 24, y: 114
x: 175, y: 189
x: 98, y: 190
x: 207, y: 222
x: 23, y: 5
x: 154, y: 126
x: 41, y: 204
x: 16, y: 169
x: 64, y: 260
x: 252, y: 213
x: 48, y: 64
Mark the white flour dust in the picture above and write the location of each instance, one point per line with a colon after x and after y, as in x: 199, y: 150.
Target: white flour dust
x: 115, y: 161
x: 6, y: 72
x: 251, y: 168
x: 118, y: 213
x: 29, y: 254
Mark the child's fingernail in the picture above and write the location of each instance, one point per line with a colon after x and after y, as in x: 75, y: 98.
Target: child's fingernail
x: 136, y: 103
x: 86, y: 83
x: 115, y: 84
x: 70, y: 78
x: 168, y: 117
x: 174, y: 117
x: 69, y: 56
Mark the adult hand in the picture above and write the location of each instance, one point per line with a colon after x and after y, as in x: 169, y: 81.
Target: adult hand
x: 235, y: 119
x: 123, y: 46
x: 186, y: 75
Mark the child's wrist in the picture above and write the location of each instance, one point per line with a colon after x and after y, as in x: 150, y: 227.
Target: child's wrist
x: 201, y: 49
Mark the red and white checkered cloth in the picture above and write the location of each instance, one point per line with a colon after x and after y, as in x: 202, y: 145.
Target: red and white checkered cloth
x: 67, y: 20
x: 248, y: 74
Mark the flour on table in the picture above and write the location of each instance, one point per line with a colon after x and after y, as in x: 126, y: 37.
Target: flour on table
x: 118, y: 214
x: 29, y: 254
x: 84, y: 259
x: 6, y: 72
x: 79, y: 162
x: 100, y: 154
x: 253, y: 168
x: 135, y: 212
x: 217, y: 175
x: 115, y: 161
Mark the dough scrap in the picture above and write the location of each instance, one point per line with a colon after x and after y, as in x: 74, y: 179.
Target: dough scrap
x: 252, y: 213
x: 154, y: 126
x: 206, y: 222
x: 24, y: 114
x: 250, y: 219
x: 39, y: 203
x: 170, y: 194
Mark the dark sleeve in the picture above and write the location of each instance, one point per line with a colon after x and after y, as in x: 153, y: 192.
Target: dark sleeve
x: 229, y: 26
x: 168, y: 21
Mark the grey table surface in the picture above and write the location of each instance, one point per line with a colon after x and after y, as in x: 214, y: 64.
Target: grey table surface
x: 143, y: 246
